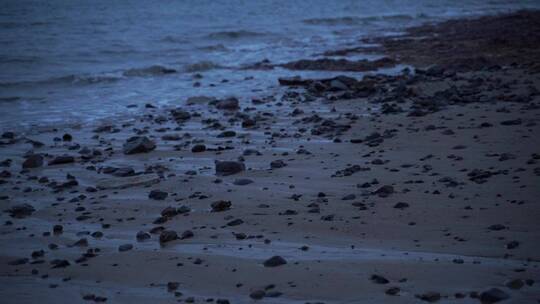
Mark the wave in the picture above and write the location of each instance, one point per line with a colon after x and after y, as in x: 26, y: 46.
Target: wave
x: 215, y: 47
x: 351, y: 20
x: 235, y: 34
x: 201, y: 66
x: 155, y: 70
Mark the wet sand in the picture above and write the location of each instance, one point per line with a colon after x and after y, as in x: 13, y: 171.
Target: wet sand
x: 421, y: 186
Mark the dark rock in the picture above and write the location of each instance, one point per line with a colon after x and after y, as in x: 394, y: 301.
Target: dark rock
x: 226, y: 134
x: 229, y: 167
x: 401, y: 205
x: 138, y: 144
x: 377, y: 279
x: 257, y: 294
x: 21, y: 211
x: 187, y: 235
x: 167, y: 236
x: 180, y: 115
x: 430, y: 297
x: 493, y: 295
x: 515, y: 284
x: 33, y: 161
x: 219, y: 206
x: 142, y: 236
x: 228, y: 104
x: 235, y: 222
x: 384, y: 191
x: 242, y: 182
x: 60, y: 160
x: 125, y: 247
x: 198, y: 148
x: 276, y: 164
x: 158, y: 195
x: 275, y: 261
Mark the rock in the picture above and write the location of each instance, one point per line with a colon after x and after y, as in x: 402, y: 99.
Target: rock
x: 228, y: 104
x: 235, y: 222
x: 401, y: 205
x: 61, y: 160
x: 513, y: 122
x: 180, y: 115
x: 21, y: 211
x: 169, y: 212
x: 497, y: 227
x: 198, y: 148
x: 276, y: 164
x: 257, y: 294
x: 377, y: 279
x: 226, y: 134
x: 430, y: 297
x: 384, y: 191
x: 242, y: 181
x: 293, y: 81
x: 138, y: 144
x: 125, y: 247
x: 142, y: 236
x: 229, y: 167
x: 275, y: 261
x: 515, y: 284
x: 512, y: 245
x: 123, y: 172
x: 219, y: 206
x: 493, y: 295
x: 167, y: 236
x: 172, y: 286
x: 158, y: 195
x: 199, y: 100
x: 33, y: 161
x: 187, y: 235
x: 392, y: 291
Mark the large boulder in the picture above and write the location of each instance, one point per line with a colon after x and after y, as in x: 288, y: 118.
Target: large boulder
x: 138, y: 144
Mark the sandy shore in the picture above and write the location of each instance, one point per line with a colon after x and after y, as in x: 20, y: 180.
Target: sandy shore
x: 391, y: 189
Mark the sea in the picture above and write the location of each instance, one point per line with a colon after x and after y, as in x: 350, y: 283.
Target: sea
x: 78, y: 61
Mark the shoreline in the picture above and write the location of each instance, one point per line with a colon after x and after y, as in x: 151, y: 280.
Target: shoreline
x: 390, y: 180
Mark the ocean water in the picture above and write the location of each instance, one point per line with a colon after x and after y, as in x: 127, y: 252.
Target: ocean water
x: 76, y: 61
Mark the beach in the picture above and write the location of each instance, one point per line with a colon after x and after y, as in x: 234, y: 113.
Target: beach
x: 419, y: 185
